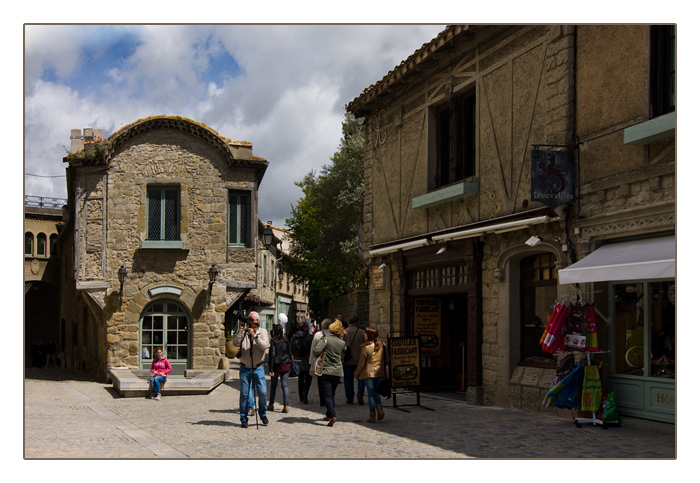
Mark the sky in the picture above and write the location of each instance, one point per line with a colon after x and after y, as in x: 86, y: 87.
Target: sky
x: 283, y: 88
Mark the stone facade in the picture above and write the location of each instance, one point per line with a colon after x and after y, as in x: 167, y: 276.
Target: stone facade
x: 568, y: 87
x: 109, y: 229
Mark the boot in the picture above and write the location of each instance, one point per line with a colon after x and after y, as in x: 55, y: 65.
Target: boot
x: 285, y: 409
x: 372, y: 418
x: 270, y: 407
x: 380, y: 412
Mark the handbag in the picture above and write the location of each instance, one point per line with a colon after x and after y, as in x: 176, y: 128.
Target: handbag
x: 294, y: 369
x: 384, y: 386
x: 318, y: 363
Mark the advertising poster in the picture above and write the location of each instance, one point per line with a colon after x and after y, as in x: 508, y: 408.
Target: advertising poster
x: 404, y: 361
x: 427, y: 324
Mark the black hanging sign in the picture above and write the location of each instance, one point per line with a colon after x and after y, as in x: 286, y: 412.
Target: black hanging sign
x: 553, y: 177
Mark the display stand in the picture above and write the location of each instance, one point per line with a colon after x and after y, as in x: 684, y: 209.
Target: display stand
x: 594, y: 420
x: 400, y: 407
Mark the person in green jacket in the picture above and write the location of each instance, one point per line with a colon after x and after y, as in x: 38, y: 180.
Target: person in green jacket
x: 334, y: 347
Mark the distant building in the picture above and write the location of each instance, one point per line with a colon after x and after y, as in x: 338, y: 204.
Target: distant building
x: 43, y: 218
x: 561, y: 136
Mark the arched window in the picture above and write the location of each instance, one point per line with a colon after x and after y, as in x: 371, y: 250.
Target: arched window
x: 538, y: 293
x: 53, y: 239
x: 40, y: 245
x: 165, y: 324
x: 28, y: 243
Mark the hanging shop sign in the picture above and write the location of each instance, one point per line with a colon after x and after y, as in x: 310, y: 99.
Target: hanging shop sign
x: 553, y: 177
x: 404, y: 361
x: 427, y: 317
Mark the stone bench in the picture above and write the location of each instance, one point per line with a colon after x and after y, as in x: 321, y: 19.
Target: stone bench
x: 135, y: 382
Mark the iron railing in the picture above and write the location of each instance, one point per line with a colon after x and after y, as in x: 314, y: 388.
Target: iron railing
x: 44, y: 202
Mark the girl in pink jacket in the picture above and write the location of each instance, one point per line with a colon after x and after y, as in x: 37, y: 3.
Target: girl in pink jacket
x: 160, y: 368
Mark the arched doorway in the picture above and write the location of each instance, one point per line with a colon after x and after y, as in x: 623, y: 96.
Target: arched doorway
x: 165, y: 323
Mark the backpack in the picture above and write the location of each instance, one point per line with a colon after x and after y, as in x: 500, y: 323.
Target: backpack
x: 297, y: 348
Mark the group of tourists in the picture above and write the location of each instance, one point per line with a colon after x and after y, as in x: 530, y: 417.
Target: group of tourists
x: 335, y: 351
x: 331, y: 354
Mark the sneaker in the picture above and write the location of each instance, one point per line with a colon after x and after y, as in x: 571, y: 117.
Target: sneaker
x: 157, y: 397
x: 332, y: 421
x: 252, y: 412
x: 244, y: 424
x: 264, y: 420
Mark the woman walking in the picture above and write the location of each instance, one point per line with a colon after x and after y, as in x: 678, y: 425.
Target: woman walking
x: 370, y: 368
x: 160, y: 368
x: 334, y: 347
x: 280, y: 361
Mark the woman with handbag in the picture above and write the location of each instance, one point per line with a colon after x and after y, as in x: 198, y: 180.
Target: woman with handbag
x: 279, y: 362
x: 331, y: 349
x: 370, y: 368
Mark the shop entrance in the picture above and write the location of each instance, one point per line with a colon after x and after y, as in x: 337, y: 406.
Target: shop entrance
x: 440, y: 321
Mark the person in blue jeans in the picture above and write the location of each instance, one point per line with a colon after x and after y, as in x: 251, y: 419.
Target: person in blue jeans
x: 160, y: 368
x: 370, y: 368
x: 253, y: 342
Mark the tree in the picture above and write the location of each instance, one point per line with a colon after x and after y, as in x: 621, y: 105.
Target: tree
x: 325, y: 244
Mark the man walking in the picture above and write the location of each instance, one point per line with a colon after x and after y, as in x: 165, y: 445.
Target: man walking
x: 354, y: 337
x: 253, y: 342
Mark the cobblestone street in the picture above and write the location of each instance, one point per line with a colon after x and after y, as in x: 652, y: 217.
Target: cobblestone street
x: 72, y: 418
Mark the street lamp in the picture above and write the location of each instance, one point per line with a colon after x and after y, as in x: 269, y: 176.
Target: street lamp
x: 213, y: 273
x: 268, y: 237
x: 121, y: 273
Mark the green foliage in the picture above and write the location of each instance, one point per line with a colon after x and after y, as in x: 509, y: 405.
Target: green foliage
x: 325, y: 242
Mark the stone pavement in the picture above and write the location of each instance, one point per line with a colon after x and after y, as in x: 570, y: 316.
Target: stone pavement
x: 66, y: 416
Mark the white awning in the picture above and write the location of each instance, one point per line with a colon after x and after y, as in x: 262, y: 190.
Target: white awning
x: 633, y: 260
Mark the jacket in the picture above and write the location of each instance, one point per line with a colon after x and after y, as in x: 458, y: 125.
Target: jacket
x: 371, y: 362
x: 162, y: 366
x: 354, y: 337
x: 280, y: 353
x: 316, y: 337
x: 259, y: 345
x: 306, y: 339
x: 335, y: 349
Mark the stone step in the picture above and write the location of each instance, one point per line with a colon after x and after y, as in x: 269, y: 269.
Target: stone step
x: 135, y: 382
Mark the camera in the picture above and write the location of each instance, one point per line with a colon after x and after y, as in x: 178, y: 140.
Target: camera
x: 242, y: 318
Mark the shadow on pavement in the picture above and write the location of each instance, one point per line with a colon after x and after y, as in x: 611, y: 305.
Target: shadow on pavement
x: 55, y: 374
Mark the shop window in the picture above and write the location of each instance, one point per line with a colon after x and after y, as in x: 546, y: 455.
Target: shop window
x: 538, y: 294
x: 645, y: 336
x: 239, y: 218
x: 663, y: 69
x: 41, y: 244
x: 455, y: 145
x: 163, y: 213
x: 28, y: 243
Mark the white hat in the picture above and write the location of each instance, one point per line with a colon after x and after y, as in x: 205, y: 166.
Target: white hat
x: 282, y: 318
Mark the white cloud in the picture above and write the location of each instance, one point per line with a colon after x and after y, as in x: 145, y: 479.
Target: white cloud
x: 287, y: 95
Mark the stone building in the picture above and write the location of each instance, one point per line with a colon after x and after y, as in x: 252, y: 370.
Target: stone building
x: 504, y: 166
x: 43, y: 218
x: 161, y: 244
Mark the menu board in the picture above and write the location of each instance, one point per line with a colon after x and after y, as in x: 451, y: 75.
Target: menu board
x: 404, y: 361
x: 427, y: 317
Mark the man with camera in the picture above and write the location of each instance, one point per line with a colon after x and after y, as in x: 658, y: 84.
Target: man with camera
x: 253, y: 341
